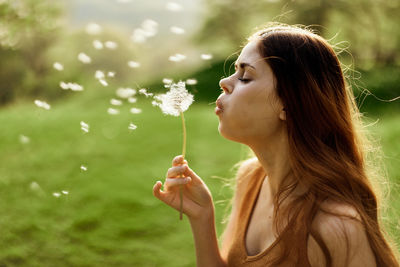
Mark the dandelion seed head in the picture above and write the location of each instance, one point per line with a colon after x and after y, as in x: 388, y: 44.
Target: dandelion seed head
x: 65, y: 192
x: 177, y: 30
x: 115, y: 102
x: 132, y: 126
x: 58, y: 66
x: 83, y: 168
x: 177, y: 57
x: 56, y: 194
x: 111, y: 74
x: 112, y: 111
x: 93, y: 28
x: 176, y: 100
x: 111, y: 45
x: 206, y: 56
x: 191, y: 81
x: 135, y: 110
x: 85, y: 59
x: 125, y: 92
x: 174, y: 7
x: 42, y: 104
x: 133, y: 64
x: 98, y: 44
x: 24, y: 139
x: 139, y: 36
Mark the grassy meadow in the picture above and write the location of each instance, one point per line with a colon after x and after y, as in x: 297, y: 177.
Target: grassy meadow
x: 110, y: 217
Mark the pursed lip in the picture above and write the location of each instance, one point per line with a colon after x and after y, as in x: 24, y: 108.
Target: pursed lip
x: 219, y: 108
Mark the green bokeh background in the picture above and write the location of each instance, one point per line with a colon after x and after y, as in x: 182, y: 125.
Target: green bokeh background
x: 109, y: 217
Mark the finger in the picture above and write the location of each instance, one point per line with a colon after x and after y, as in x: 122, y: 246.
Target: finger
x: 157, y: 192
x: 175, y: 171
x: 178, y: 160
x: 171, y: 182
x: 188, y: 172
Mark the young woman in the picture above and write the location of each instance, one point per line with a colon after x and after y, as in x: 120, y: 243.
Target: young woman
x: 306, y: 198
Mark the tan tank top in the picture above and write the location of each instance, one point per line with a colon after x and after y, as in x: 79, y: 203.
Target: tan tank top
x: 237, y: 253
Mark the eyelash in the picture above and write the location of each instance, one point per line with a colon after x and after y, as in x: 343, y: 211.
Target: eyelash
x: 244, y: 80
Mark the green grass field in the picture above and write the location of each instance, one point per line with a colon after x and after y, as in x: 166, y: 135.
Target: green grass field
x: 109, y: 217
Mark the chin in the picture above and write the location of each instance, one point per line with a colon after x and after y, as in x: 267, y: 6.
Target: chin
x: 228, y: 134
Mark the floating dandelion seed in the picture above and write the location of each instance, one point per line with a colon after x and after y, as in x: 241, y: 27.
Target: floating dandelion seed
x: 133, y: 64
x: 167, y: 81
x: 149, y: 28
x: 174, y: 7
x: 56, y: 194
x: 132, y: 126
x: 99, y: 74
x: 132, y: 99
x: 111, y: 74
x: 144, y: 92
x: 98, y: 44
x: 115, y: 102
x: 84, y: 126
x: 206, y: 56
x: 75, y: 87
x: 85, y: 59
x: 103, y: 82
x: 111, y: 45
x: 135, y: 110
x: 64, y: 85
x: 24, y: 139
x: 83, y: 168
x: 113, y: 111
x: 177, y: 30
x: 42, y: 104
x: 176, y: 101
x: 34, y: 186
x: 71, y: 86
x: 177, y: 57
x: 58, y: 66
x: 65, y: 192
x: 191, y: 81
x: 125, y: 92
x: 93, y: 28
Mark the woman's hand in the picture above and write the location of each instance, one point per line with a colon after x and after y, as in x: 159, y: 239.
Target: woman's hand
x: 197, y: 199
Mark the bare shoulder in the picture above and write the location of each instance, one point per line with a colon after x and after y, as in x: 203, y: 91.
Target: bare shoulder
x: 341, y: 229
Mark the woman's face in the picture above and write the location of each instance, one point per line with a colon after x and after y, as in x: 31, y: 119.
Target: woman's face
x: 249, y: 110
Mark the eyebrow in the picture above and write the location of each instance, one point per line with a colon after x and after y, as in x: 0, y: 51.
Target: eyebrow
x: 244, y: 65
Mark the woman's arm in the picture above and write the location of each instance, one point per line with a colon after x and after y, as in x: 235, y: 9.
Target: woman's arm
x: 197, y: 205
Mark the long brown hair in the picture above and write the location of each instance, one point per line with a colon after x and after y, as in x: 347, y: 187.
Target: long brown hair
x: 326, y: 151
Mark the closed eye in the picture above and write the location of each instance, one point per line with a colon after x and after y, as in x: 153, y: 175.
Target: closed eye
x: 243, y: 80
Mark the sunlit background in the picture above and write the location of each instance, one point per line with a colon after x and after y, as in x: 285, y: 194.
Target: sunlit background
x: 81, y: 144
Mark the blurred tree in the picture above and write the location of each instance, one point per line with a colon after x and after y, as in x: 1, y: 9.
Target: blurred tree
x: 27, y: 29
x: 370, y: 26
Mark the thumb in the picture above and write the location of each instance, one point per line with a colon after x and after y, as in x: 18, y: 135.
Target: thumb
x: 157, y: 192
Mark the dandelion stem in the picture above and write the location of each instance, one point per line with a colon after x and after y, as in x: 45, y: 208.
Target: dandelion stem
x: 183, y: 155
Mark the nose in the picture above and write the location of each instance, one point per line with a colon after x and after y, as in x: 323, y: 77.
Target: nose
x: 224, y: 84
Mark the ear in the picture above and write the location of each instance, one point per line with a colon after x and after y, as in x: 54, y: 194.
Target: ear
x: 282, y: 114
